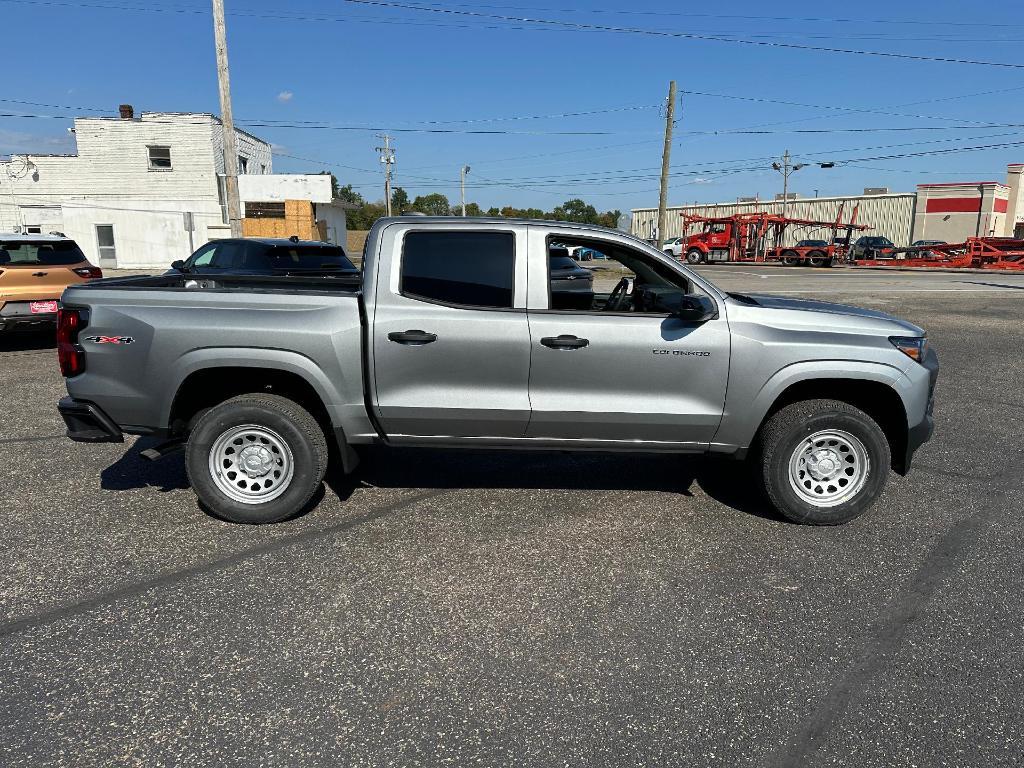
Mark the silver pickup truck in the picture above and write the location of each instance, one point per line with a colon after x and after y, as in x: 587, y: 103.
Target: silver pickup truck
x: 455, y: 334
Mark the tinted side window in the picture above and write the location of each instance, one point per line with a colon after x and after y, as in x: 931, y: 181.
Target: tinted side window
x: 471, y: 268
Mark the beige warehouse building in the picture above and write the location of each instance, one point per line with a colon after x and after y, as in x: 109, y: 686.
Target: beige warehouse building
x: 951, y: 212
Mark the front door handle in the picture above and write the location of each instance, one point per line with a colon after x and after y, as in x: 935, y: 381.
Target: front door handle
x: 40, y: 274
x: 412, y: 338
x: 564, y: 342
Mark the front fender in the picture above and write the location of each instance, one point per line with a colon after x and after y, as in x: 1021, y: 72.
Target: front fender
x: 742, y: 419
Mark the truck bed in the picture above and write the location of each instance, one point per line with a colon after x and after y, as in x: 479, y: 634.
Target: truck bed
x: 181, y: 325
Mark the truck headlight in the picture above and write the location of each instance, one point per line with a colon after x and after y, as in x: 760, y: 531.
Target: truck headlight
x: 914, y: 347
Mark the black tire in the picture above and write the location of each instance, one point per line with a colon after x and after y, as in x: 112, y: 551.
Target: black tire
x: 297, y: 429
x: 694, y: 256
x: 791, y: 258
x: 784, y: 433
x: 819, y: 259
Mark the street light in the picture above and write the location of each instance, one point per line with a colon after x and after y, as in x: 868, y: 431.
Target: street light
x: 786, y: 168
x: 465, y: 170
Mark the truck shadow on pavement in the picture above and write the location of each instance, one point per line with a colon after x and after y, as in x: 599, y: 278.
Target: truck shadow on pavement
x: 725, y: 481
x: 131, y: 471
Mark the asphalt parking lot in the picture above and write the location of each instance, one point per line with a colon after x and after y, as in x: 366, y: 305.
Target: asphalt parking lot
x: 448, y: 608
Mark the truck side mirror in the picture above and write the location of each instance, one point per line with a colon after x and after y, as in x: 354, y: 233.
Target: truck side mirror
x: 696, y: 308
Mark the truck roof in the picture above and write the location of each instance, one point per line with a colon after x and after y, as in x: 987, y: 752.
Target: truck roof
x: 419, y: 220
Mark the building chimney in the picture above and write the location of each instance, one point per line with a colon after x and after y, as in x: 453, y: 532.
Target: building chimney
x: 127, y: 111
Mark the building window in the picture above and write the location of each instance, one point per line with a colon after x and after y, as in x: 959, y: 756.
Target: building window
x: 264, y: 210
x: 105, y: 245
x: 464, y: 268
x: 243, y: 165
x: 159, y: 158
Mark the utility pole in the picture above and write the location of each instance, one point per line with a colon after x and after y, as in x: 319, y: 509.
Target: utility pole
x: 786, y: 168
x: 227, y: 121
x: 465, y: 170
x: 666, y: 158
x: 387, y: 158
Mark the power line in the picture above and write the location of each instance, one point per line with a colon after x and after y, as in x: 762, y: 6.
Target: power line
x: 539, y: 24
x: 678, y: 35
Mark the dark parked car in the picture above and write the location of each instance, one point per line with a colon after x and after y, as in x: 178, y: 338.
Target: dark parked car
x: 924, y: 244
x: 265, y: 256
x: 872, y: 247
x: 572, y: 286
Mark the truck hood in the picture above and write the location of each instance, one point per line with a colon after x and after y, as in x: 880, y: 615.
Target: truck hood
x: 870, y: 318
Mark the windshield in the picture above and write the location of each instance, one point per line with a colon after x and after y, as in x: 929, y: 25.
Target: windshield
x: 310, y: 258
x: 41, y: 253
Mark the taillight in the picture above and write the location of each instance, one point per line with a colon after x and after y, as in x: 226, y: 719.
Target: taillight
x: 89, y: 273
x: 69, y: 354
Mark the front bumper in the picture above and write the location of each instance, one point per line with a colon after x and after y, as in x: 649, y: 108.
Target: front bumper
x: 87, y: 423
x: 922, y: 432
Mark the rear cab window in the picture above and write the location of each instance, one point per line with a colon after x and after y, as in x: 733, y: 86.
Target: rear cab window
x: 459, y: 268
x: 40, y: 253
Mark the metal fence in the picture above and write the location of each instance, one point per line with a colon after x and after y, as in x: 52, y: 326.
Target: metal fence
x: 889, y: 215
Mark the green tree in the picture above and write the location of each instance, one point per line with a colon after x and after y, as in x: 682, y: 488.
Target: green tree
x: 348, y: 195
x: 434, y: 204
x: 399, y: 201
x: 364, y: 216
x: 610, y: 219
x: 576, y: 210
x: 472, y: 209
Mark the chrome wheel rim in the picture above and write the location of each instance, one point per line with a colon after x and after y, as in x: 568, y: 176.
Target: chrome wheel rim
x: 251, y: 464
x: 829, y: 468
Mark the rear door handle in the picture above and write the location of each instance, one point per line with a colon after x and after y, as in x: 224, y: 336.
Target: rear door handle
x: 40, y: 274
x: 564, y: 342
x: 412, y: 338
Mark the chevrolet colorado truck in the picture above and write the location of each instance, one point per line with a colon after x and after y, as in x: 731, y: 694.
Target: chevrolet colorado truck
x: 456, y: 335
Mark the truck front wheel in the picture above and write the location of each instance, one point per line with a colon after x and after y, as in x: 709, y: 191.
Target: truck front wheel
x: 694, y: 256
x: 256, y: 458
x: 822, y: 462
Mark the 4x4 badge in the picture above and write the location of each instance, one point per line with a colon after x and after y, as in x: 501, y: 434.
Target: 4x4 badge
x: 110, y: 339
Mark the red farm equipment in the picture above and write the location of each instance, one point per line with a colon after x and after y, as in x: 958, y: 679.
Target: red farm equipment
x: 976, y: 252
x: 760, y: 237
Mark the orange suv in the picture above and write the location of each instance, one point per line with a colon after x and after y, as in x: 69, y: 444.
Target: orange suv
x: 34, y: 271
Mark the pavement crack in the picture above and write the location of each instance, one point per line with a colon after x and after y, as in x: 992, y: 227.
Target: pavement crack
x: 883, y: 642
x: 38, y: 439
x: 212, y: 566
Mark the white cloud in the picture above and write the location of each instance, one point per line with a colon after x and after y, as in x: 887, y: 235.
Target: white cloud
x: 285, y: 96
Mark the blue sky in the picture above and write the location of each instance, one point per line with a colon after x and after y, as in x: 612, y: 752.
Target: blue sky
x: 364, y: 66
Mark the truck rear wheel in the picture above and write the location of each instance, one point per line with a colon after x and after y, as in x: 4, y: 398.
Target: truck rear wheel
x: 694, y: 256
x: 256, y: 459
x: 822, y: 462
x: 819, y: 259
x: 791, y: 258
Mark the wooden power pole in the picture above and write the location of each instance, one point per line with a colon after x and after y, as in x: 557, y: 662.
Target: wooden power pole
x: 227, y: 121
x: 387, y: 159
x: 666, y: 158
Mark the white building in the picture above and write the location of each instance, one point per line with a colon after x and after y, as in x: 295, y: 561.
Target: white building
x: 144, y: 191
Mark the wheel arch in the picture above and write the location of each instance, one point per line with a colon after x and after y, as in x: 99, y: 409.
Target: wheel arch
x: 875, y: 388
x: 207, y: 382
